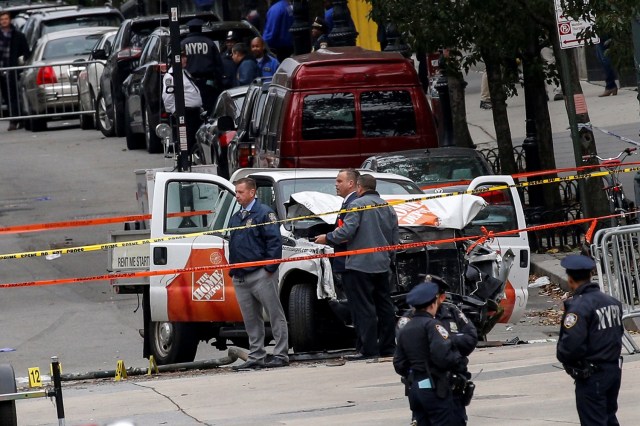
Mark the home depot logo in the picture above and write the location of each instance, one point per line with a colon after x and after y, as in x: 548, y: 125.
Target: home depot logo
x: 209, y: 287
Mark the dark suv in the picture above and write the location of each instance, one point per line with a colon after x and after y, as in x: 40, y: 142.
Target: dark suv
x: 45, y: 21
x: 122, y: 58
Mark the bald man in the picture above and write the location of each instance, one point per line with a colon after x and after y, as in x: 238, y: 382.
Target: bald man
x: 267, y: 64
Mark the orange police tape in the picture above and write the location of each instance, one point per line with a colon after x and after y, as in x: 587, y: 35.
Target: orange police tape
x: 89, y: 222
x: 593, y: 222
x: 118, y: 219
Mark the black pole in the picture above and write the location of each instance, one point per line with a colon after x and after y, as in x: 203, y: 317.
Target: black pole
x: 442, y: 86
x: 57, y: 387
x: 395, y: 43
x: 300, y: 29
x: 178, y: 86
x: 342, y: 33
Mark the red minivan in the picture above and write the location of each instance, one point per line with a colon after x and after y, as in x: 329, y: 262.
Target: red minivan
x: 338, y: 106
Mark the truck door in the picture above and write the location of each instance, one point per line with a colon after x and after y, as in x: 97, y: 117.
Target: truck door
x: 186, y: 203
x: 503, y: 213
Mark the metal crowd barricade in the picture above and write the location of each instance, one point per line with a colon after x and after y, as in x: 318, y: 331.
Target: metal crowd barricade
x: 617, y: 254
x: 43, y: 91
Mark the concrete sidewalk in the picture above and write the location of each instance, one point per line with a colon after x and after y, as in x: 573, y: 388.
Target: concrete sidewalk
x: 519, y: 385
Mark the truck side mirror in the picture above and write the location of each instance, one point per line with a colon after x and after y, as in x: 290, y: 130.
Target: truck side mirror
x: 226, y: 123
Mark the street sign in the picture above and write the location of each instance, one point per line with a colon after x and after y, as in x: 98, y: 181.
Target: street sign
x: 569, y: 29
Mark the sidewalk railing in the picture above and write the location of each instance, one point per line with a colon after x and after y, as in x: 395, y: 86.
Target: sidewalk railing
x: 617, y: 257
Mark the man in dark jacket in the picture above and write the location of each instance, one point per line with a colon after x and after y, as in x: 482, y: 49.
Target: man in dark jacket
x: 590, y: 343
x: 203, y: 63
x: 426, y: 356
x: 247, y: 67
x: 257, y: 287
x: 366, y: 279
x: 14, y: 49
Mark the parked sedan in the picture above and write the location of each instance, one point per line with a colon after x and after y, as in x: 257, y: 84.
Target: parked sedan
x: 212, y: 144
x: 50, y: 84
x: 432, y: 168
x: 89, y: 83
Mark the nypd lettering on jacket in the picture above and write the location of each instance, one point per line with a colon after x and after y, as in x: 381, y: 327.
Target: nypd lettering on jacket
x: 591, y: 327
x: 609, y: 316
x: 196, y: 48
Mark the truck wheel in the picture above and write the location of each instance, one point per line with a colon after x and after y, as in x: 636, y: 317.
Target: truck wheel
x: 86, y: 120
x: 38, y: 124
x: 8, y: 415
x: 173, y: 342
x: 302, y: 326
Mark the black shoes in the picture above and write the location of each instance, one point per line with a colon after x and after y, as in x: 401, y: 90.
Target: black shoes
x: 485, y: 104
x: 249, y: 365
x: 359, y: 357
x: 276, y: 363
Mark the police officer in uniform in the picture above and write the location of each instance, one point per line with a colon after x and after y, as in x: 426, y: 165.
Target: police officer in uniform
x: 257, y: 286
x: 203, y: 62
x: 192, y: 100
x: 590, y: 343
x: 229, y: 67
x: 426, y: 355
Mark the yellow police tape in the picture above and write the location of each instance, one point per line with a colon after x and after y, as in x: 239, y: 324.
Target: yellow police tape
x: 96, y: 247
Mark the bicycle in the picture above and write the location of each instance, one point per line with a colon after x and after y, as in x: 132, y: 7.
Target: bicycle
x: 618, y: 202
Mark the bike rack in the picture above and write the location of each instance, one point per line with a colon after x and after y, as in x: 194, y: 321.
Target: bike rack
x: 9, y: 395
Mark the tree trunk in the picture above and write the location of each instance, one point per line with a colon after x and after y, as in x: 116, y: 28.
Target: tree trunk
x: 593, y: 199
x: 461, y: 135
x: 500, y: 117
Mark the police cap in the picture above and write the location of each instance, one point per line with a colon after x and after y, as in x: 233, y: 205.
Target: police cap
x: 231, y: 36
x: 578, y: 262
x: 422, y: 294
x: 195, y: 22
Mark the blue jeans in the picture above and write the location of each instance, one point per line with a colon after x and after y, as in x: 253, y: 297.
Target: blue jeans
x: 609, y: 73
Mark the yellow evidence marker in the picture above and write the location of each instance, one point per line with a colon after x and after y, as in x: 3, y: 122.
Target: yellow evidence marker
x: 121, y: 371
x: 35, y: 380
x: 153, y: 366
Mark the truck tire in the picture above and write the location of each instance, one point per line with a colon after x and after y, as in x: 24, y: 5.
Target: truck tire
x: 8, y: 415
x: 173, y: 342
x: 86, y: 120
x: 38, y: 124
x: 302, y: 327
x: 153, y: 142
x: 134, y: 140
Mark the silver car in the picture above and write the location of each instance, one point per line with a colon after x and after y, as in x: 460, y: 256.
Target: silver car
x: 89, y: 83
x: 48, y: 86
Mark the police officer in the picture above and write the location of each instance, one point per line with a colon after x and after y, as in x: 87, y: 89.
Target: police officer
x: 229, y: 67
x: 464, y: 337
x: 192, y: 100
x: 257, y: 286
x: 426, y: 355
x: 203, y: 62
x: 590, y: 343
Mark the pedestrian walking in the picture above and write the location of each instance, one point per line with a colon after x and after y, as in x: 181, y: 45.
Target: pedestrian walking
x: 203, y: 63
x: 610, y: 77
x: 426, y: 356
x: 590, y: 343
x: 366, y: 276
x: 247, y: 67
x: 276, y: 29
x: 192, y: 100
x: 267, y: 64
x: 13, y: 50
x: 257, y: 287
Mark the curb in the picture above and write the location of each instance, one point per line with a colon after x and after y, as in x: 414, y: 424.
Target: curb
x: 548, y: 265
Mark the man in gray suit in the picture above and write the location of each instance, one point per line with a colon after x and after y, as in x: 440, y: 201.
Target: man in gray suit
x: 366, y: 279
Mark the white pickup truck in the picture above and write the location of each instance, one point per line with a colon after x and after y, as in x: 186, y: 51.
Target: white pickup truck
x: 179, y: 310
